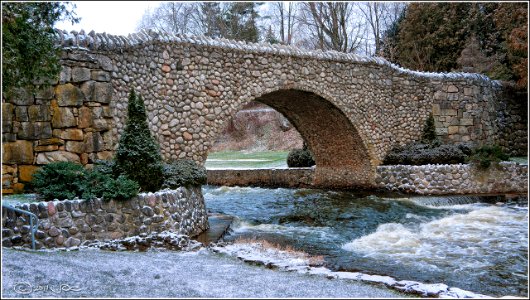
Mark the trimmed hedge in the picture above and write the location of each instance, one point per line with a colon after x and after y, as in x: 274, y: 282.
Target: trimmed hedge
x: 423, y: 154
x: 300, y: 158
x: 183, y: 173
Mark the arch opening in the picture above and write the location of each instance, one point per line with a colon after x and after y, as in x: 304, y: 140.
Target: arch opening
x: 342, y: 160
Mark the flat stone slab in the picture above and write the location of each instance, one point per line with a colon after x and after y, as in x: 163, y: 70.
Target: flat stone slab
x: 219, y: 225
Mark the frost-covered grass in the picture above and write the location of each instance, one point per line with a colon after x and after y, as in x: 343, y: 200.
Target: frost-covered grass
x: 162, y: 274
x: 523, y: 160
x: 246, y: 160
x: 19, y: 198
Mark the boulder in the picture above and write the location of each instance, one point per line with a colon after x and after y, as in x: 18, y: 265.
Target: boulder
x: 39, y: 113
x: 48, y: 157
x: 20, y: 96
x: 25, y: 172
x: 102, y: 92
x: 72, y: 134
x: 63, y: 117
x: 19, y: 152
x: 69, y: 95
x: 34, y: 130
x: 80, y: 74
x: 85, y: 117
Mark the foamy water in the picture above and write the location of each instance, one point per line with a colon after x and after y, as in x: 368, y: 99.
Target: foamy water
x: 460, y: 241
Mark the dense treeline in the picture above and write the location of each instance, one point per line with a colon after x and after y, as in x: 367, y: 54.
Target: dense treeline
x: 489, y: 38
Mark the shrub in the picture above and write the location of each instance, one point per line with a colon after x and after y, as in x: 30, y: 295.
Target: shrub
x: 299, y: 158
x: 429, y: 130
x: 183, y: 173
x: 61, y: 180
x: 120, y: 188
x: 105, y: 167
x: 67, y: 180
x: 138, y: 155
x: 422, y: 154
x: 484, y: 156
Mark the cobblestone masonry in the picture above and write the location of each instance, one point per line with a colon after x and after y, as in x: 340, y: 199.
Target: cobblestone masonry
x: 507, y: 177
x: 351, y: 110
x: 71, y: 222
x: 428, y: 179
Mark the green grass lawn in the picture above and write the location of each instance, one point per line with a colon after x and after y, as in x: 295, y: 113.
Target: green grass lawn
x: 523, y: 160
x: 246, y: 160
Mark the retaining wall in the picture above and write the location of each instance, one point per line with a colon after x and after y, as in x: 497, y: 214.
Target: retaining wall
x: 71, y: 222
x: 294, y: 177
x: 506, y: 178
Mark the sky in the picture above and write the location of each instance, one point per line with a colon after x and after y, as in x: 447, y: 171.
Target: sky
x: 114, y: 17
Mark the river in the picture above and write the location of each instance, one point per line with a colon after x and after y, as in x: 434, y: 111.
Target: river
x: 473, y: 243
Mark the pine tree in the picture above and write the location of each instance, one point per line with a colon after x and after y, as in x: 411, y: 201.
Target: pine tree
x: 270, y: 38
x: 240, y: 20
x: 429, y: 131
x: 29, y: 53
x: 138, y: 156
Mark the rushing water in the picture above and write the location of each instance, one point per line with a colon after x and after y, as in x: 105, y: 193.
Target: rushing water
x: 461, y: 241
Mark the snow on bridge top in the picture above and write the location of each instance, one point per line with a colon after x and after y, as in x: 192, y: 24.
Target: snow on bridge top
x: 109, y: 42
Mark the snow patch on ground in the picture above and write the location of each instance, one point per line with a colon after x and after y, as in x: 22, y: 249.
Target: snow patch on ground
x: 294, y: 261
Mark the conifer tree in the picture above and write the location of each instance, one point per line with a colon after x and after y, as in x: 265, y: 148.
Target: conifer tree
x: 138, y: 156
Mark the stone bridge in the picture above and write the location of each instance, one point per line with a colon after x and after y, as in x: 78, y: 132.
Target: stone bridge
x: 351, y: 110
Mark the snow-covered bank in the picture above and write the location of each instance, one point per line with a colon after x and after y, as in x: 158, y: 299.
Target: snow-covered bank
x: 168, y: 274
x: 256, y: 252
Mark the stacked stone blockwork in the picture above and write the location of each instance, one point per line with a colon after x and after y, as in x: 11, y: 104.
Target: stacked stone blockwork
x: 69, y: 121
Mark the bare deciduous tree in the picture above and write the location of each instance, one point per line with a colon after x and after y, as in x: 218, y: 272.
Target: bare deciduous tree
x: 332, y: 25
x: 169, y: 17
x: 284, y: 15
x: 378, y: 17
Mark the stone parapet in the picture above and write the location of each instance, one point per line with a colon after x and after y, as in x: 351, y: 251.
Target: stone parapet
x: 70, y: 223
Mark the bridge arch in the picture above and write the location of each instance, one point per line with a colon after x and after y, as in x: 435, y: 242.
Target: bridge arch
x: 340, y: 152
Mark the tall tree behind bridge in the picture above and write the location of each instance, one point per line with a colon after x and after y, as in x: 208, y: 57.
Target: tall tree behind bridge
x: 331, y: 25
x: 170, y: 17
x: 378, y: 17
x: 490, y: 38
x: 241, y: 21
x: 233, y: 20
x: 284, y: 19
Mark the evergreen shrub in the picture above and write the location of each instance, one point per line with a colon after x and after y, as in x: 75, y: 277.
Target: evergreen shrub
x: 300, y: 158
x: 483, y: 157
x: 138, y: 156
x: 183, y: 173
x: 67, y: 180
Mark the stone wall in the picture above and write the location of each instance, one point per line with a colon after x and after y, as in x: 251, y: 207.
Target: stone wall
x: 71, y: 222
x: 513, y: 120
x: 69, y: 121
x: 506, y: 178
x: 351, y: 110
x: 293, y: 178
